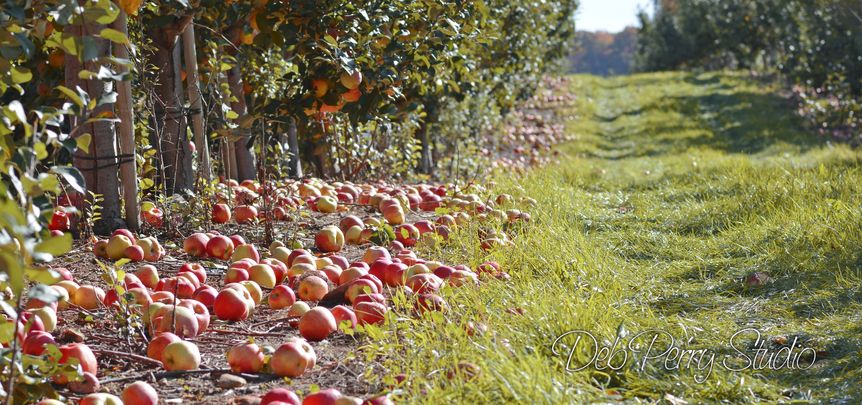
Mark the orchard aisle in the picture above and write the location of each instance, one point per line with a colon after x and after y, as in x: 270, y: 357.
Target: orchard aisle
x: 695, y: 206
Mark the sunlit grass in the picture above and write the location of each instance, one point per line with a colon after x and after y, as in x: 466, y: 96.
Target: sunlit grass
x: 677, y: 187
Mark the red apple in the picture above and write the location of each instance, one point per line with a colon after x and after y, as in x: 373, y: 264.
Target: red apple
x: 375, y: 253
x: 342, y: 314
x: 312, y: 288
x: 156, y: 347
x: 221, y: 214
x: 35, y: 342
x: 220, y: 247
x: 322, y: 397
x: 245, y: 214
x: 196, y: 244
x: 348, y: 221
x: 206, y: 295
x: 370, y: 312
x: 281, y: 395
x: 281, y: 297
x: 245, y: 358
x: 231, y: 305
x: 140, y: 393
x: 293, y: 359
x: 60, y: 221
x: 245, y: 252
x: 317, y: 324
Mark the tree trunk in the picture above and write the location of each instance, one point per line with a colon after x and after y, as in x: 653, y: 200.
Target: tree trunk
x: 99, y: 164
x: 243, y: 151
x: 126, y: 135
x: 169, y: 117
x: 426, y: 162
x: 195, y: 100
x: 294, y: 168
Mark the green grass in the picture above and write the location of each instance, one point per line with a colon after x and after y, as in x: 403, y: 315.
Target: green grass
x: 677, y: 187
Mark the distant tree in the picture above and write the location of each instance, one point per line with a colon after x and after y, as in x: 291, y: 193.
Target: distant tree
x: 603, y: 53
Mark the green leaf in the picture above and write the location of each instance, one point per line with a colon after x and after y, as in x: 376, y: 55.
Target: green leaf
x: 122, y: 262
x: 56, y: 245
x: 83, y: 142
x: 21, y: 75
x: 41, y: 150
x: 231, y: 115
x: 14, y: 270
x: 71, y: 95
x: 72, y: 176
x: 114, y: 36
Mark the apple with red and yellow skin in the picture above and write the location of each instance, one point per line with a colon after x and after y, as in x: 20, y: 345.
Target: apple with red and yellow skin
x: 329, y: 239
x: 254, y: 291
x: 429, y: 302
x: 370, y: 312
x: 195, y: 269
x: 157, y: 345
x: 280, y: 396
x: 298, y: 269
x: 134, y: 253
x: 332, y: 272
x: 141, y: 297
x: 153, y: 251
x: 460, y: 278
x: 322, y: 262
x: 296, y: 310
x: 307, y: 259
x: 354, y: 236
x: 48, y: 316
x: 245, y: 358
x: 100, y: 249
x: 238, y: 241
x: 342, y: 313
x: 196, y: 244
x: 278, y: 267
x: 231, y: 305
x: 185, y: 323
x: 320, y: 87
x: 394, y: 274
x: 375, y: 253
x: 312, y: 288
x: 281, y: 253
x: 293, y: 359
x: 394, y: 215
x: 424, y: 283
x: 263, y: 275
x: 317, y: 324
x: 350, y: 221
x: 382, y: 399
x: 281, y: 297
x: 181, y: 356
x: 220, y: 214
x: 205, y: 295
x: 326, y: 204
x: 125, y: 232
x: 202, y: 314
x: 245, y: 214
x: 116, y: 248
x: 322, y: 397
x: 352, y: 80
x: 352, y: 273
x: 245, y: 252
x: 100, y: 398
x: 407, y: 234
x: 182, y: 287
x: 83, y: 354
x: 89, y: 297
x: 371, y: 297
x: 162, y: 296
x: 140, y: 393
x: 153, y: 216
x: 359, y: 286
x: 220, y: 247
x: 339, y: 261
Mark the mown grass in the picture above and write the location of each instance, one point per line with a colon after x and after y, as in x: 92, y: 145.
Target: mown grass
x: 678, y: 186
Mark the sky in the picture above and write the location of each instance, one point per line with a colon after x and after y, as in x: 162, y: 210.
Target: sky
x: 609, y: 15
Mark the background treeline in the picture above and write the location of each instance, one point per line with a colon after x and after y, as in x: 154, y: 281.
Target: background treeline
x: 816, y: 44
x: 604, y: 53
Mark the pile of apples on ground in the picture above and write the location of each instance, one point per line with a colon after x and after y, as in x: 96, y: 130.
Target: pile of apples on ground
x: 180, y: 307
